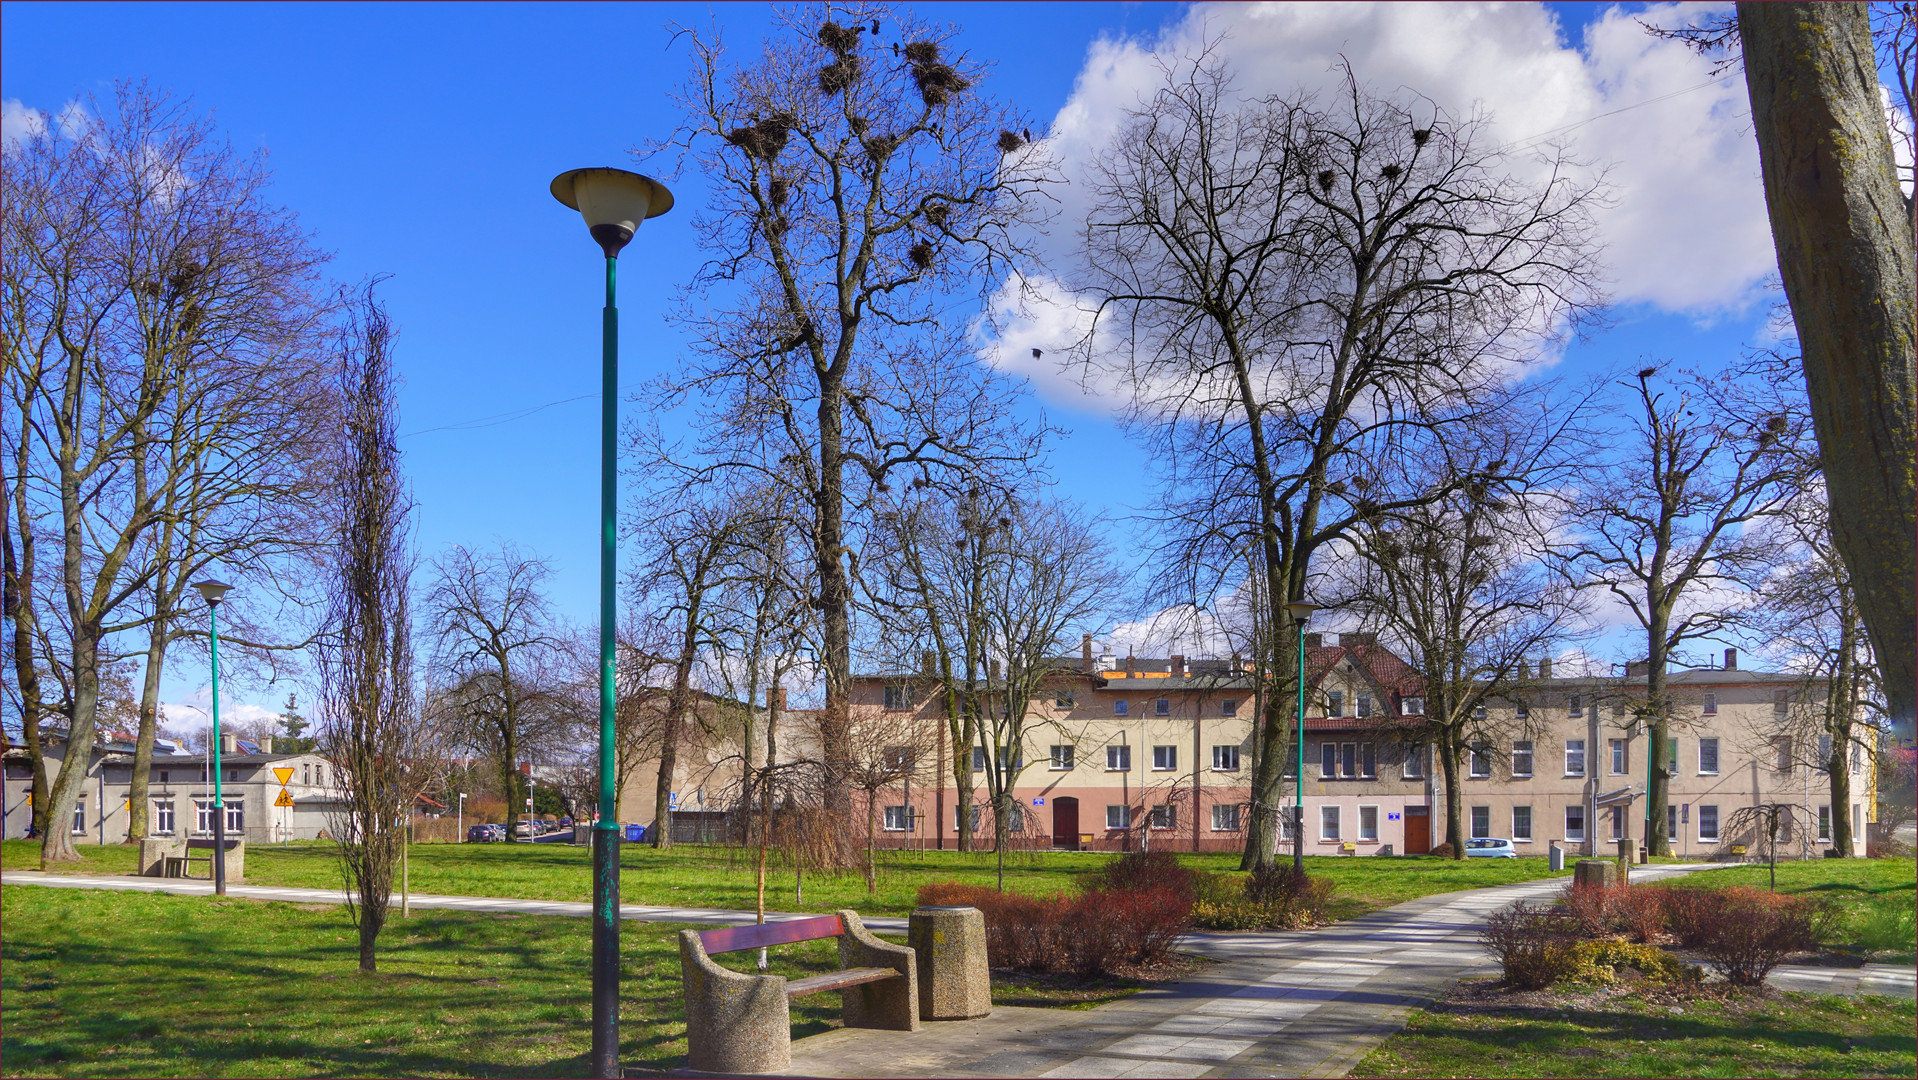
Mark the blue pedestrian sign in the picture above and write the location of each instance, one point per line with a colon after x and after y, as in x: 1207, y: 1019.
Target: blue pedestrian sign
x: 672, y: 800
x: 1391, y: 817
x: 1038, y: 802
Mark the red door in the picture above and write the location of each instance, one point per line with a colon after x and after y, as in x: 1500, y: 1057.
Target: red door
x: 1065, y: 823
x: 1418, y: 830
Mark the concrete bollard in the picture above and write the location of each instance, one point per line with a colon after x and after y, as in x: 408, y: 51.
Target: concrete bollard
x: 1555, y: 857
x: 1594, y: 872
x: 954, y: 980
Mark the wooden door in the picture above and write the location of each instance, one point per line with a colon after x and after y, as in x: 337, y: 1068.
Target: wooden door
x: 1418, y: 830
x: 1065, y: 823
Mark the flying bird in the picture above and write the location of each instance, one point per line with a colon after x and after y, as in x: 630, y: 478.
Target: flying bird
x: 1037, y: 353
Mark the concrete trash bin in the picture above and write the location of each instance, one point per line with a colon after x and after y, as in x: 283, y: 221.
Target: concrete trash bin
x: 954, y: 980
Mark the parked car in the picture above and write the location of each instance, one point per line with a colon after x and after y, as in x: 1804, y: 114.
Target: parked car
x: 485, y: 834
x: 1486, y: 847
x: 520, y: 829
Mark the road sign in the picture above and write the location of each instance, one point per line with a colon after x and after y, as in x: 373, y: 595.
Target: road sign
x: 285, y: 799
x: 672, y: 800
x: 285, y: 774
x: 1038, y: 802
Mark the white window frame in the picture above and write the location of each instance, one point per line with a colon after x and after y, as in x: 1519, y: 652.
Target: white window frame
x: 1349, y: 761
x: 1412, y: 706
x: 1574, y: 752
x: 1481, y: 818
x: 1575, y: 707
x: 1363, y: 706
x: 956, y: 819
x: 1478, y: 762
x: 1702, y: 770
x: 1162, y: 707
x: 1062, y: 757
x: 1368, y: 761
x: 1371, y: 835
x: 1707, y: 810
x: 80, y: 816
x: 1165, y: 757
x: 897, y: 697
x: 1335, y: 703
x: 1523, y: 748
x: 1065, y: 699
x: 1328, y: 751
x: 1824, y: 823
x: 1710, y: 705
x: 1329, y: 822
x: 203, y: 817
x: 1521, y: 834
x: 1415, y: 762
x: 1621, y: 757
x: 1229, y: 706
x: 235, y: 814
x: 1163, y: 816
x: 1617, y: 817
x: 895, y: 819
x: 1118, y: 757
x: 1225, y: 817
x: 1118, y: 816
x: 163, y: 822
x: 1573, y: 835
x: 1225, y: 757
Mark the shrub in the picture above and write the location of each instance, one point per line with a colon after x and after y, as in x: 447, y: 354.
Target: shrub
x: 1534, y: 944
x: 1444, y: 851
x: 1144, y: 871
x: 1086, y: 936
x: 1691, y: 912
x: 1640, y: 911
x: 1886, y: 929
x: 1230, y: 915
x: 1599, y: 961
x: 1593, y: 907
x: 1755, y: 931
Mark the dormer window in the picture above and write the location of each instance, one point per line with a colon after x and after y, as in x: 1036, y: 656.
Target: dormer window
x: 1412, y: 706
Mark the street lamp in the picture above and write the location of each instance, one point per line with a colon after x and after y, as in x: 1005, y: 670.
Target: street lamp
x: 213, y: 592
x: 614, y: 203
x: 1300, y: 611
x: 459, y: 820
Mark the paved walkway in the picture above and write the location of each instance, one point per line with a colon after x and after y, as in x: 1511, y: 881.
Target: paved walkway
x: 1299, y: 1004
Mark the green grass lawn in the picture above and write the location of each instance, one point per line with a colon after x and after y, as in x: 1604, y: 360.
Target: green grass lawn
x: 713, y: 877
x: 1780, y: 1035
x: 1865, y: 890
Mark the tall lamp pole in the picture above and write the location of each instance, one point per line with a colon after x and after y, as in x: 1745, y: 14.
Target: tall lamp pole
x: 1300, y: 612
x: 614, y: 203
x: 213, y: 592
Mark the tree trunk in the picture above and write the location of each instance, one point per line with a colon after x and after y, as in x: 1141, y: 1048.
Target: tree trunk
x: 1845, y: 251
x: 138, y: 823
x: 1277, y: 728
x: 1448, y: 750
x: 1658, y: 777
x: 1839, y: 710
x: 14, y: 586
x: 835, y: 598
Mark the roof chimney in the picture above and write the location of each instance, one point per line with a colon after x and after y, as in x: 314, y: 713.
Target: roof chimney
x: 1131, y: 670
x: 1545, y: 668
x: 1731, y: 659
x: 1178, y: 666
x: 992, y: 671
x: 1315, y: 641
x: 1238, y: 663
x: 1085, y: 652
x: 1525, y: 669
x: 229, y: 743
x: 1359, y: 638
x: 1635, y: 668
x: 928, y: 663
x: 779, y: 698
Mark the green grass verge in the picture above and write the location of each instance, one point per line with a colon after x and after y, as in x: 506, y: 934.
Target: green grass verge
x: 713, y: 877
x: 139, y: 984
x: 1782, y: 1035
x: 1877, y: 899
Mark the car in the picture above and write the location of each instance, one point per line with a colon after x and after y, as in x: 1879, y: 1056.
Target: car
x: 1485, y: 847
x: 486, y: 834
x: 520, y: 829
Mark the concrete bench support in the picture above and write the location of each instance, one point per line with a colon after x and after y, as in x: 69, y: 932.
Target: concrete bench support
x: 954, y: 981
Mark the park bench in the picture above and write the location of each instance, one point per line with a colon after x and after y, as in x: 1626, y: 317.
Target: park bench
x: 742, y: 1023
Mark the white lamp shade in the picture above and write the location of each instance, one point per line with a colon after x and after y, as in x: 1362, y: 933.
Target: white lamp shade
x: 1300, y: 610
x: 613, y: 201
x: 212, y: 591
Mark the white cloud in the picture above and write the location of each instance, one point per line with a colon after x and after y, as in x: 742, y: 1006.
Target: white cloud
x: 194, y: 714
x: 1687, y: 231
x: 19, y: 123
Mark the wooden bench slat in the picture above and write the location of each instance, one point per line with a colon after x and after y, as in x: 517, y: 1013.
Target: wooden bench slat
x: 756, y: 936
x: 838, y: 980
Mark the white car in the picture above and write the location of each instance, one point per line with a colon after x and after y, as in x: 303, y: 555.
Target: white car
x: 1488, y: 848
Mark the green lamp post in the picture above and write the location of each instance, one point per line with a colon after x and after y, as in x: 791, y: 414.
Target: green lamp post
x: 213, y: 592
x: 1300, y: 611
x: 614, y: 203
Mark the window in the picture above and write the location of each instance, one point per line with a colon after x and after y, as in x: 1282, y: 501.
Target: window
x: 895, y: 819
x: 1481, y: 822
x: 80, y: 817
x: 1857, y: 757
x: 1288, y: 815
x: 1671, y: 766
x: 1478, y: 712
x: 1328, y: 823
x: 1521, y: 823
x: 964, y: 822
x: 1708, y: 757
x: 1162, y: 707
x: 1368, y: 761
x: 1165, y: 758
x: 1229, y: 707
x: 1413, y: 706
x: 163, y: 776
x: 1415, y: 761
x: 1574, y: 757
x: 1118, y: 758
x: 1328, y: 760
x: 319, y: 775
x: 978, y: 759
x: 1118, y: 817
x: 1671, y: 821
x: 1781, y: 754
x: 306, y: 773
x: 1824, y: 824
x: 1289, y: 766
x: 1577, y: 707
x: 1708, y: 823
x: 1522, y: 711
x: 163, y: 816
x: 1481, y: 762
x: 1780, y: 702
x: 1522, y: 757
x: 1064, y: 699
x: 1824, y: 749
x: 1620, y: 761
x: 1575, y: 823
x: 235, y: 815
x: 1368, y: 823
x: 1018, y: 760
x: 1711, y: 704
x: 202, y: 816
x: 1062, y: 757
x: 1119, y: 707
x: 1225, y: 759
x: 1015, y: 817
x: 1225, y: 817
x: 897, y: 696
x: 1335, y: 703
x: 1618, y: 821
x: 1165, y: 816
x: 1365, y: 705
x: 1349, y: 760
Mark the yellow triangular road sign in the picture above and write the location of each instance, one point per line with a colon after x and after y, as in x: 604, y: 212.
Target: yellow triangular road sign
x: 284, y: 799
x: 285, y: 773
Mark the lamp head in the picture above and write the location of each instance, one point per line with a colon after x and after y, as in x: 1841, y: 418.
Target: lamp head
x: 1300, y: 610
x: 212, y: 591
x: 613, y: 202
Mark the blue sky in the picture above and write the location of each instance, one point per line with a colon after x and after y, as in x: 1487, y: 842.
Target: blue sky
x: 418, y: 141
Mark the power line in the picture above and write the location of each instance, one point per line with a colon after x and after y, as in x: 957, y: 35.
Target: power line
x: 1529, y: 139
x: 497, y: 418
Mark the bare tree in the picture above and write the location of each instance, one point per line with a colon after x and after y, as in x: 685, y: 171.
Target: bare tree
x: 855, y: 188
x: 372, y: 728
x: 1846, y: 253
x: 496, y: 653
x: 1301, y: 295
x: 1666, y: 521
x: 145, y: 278
x: 889, y: 748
